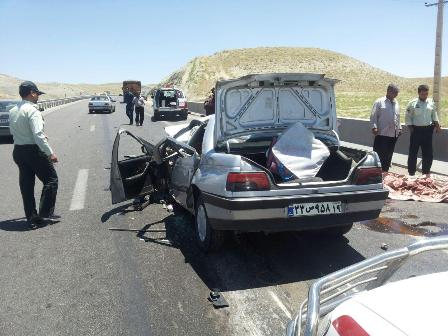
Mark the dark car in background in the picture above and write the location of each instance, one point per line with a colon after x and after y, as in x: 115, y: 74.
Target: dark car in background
x: 5, y: 107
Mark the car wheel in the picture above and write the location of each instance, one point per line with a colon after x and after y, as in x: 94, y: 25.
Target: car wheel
x: 156, y: 116
x: 90, y: 111
x: 339, y: 230
x: 184, y: 116
x: 209, y: 240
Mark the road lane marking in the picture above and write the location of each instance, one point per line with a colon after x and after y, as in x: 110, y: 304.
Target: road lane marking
x: 280, y: 304
x: 79, y: 193
x: 92, y: 128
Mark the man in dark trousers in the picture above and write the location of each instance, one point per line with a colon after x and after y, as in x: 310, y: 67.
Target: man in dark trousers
x: 209, y: 104
x: 139, y: 103
x: 34, y: 156
x: 421, y: 119
x: 128, y: 98
x: 386, y: 126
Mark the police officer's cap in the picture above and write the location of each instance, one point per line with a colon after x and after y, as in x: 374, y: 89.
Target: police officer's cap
x: 26, y: 87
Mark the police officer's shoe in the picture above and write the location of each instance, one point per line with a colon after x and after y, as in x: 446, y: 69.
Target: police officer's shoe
x: 53, y: 219
x: 34, y: 221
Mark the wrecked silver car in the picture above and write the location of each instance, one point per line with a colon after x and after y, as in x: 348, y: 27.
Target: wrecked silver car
x: 228, y: 171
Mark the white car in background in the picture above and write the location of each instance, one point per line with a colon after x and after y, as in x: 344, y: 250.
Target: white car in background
x: 101, y: 103
x: 411, y: 307
x: 169, y: 102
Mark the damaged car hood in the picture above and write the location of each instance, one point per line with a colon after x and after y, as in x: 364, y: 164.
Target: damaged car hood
x: 256, y: 103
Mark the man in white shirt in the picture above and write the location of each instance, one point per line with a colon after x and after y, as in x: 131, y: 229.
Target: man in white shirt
x: 386, y: 126
x: 34, y: 156
x: 139, y: 103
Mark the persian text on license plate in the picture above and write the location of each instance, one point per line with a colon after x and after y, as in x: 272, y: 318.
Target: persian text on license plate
x: 311, y: 209
x: 4, y: 121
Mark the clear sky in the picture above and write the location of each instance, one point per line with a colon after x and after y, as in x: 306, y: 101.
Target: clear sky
x: 100, y: 41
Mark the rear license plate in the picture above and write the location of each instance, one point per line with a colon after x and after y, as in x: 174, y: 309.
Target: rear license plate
x: 4, y: 121
x: 312, y: 209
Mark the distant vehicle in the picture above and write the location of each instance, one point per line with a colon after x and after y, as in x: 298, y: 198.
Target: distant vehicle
x: 101, y: 104
x: 169, y: 102
x: 134, y: 86
x: 217, y: 168
x: 358, y: 301
x: 5, y: 106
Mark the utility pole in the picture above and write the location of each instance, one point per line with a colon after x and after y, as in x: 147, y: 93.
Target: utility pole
x: 438, y: 53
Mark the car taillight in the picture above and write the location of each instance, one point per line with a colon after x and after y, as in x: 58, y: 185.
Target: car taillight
x: 368, y: 175
x: 183, y: 104
x: 347, y: 326
x: 247, y: 182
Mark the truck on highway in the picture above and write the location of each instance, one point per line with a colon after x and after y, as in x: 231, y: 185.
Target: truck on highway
x: 135, y: 87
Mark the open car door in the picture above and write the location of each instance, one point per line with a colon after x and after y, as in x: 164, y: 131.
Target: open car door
x: 185, y: 161
x: 130, y: 173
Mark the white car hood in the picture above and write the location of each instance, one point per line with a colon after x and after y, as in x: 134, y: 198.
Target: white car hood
x: 416, y: 306
x: 263, y: 102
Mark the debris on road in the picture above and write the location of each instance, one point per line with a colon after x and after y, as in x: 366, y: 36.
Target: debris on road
x: 384, y: 246
x: 217, y: 299
x: 432, y: 188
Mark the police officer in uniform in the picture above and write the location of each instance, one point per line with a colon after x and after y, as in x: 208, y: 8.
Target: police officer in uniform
x: 421, y: 119
x: 34, y: 156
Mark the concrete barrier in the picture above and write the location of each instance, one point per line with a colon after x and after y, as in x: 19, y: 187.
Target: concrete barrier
x: 44, y: 104
x: 359, y: 131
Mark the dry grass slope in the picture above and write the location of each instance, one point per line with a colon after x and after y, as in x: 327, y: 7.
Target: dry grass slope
x: 9, y: 88
x: 360, y: 83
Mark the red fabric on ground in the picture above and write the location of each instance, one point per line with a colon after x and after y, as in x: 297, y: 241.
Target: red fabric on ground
x: 426, y: 189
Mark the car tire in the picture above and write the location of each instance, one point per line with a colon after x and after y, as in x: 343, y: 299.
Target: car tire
x: 156, y: 116
x: 209, y: 239
x: 184, y: 116
x: 339, y: 230
x: 90, y: 111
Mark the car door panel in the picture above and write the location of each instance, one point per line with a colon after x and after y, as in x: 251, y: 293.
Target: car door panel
x: 183, y: 169
x: 130, y: 177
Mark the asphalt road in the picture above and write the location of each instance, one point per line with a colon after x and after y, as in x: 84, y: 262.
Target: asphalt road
x: 78, y: 277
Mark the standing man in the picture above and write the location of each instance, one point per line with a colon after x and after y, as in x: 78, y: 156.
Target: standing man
x: 421, y: 118
x: 386, y: 126
x: 209, y: 104
x: 128, y: 98
x: 34, y: 156
x: 139, y: 103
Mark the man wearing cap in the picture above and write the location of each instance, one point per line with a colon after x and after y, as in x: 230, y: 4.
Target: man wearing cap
x: 33, y: 155
x: 421, y: 119
x: 386, y: 126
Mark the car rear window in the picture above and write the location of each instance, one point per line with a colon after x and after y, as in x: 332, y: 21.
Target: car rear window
x: 5, y: 106
x: 100, y: 98
x: 169, y: 93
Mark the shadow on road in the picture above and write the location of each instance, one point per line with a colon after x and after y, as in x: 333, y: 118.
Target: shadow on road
x: 119, y: 210
x: 18, y: 224
x: 254, y: 260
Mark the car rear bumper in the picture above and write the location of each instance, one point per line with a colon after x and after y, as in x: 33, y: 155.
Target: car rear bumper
x: 100, y: 108
x: 170, y: 111
x: 270, y: 214
x: 4, y: 131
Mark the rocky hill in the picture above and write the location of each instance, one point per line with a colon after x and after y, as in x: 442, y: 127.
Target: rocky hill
x: 360, y: 83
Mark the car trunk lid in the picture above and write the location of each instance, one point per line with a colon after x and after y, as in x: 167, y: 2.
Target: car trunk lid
x: 257, y: 103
